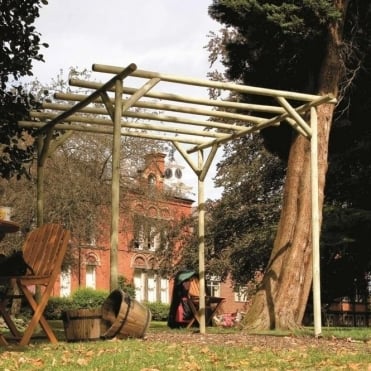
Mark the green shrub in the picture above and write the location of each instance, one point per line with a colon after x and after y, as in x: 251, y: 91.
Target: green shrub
x: 126, y: 287
x: 56, y: 306
x: 160, y: 311
x: 87, y: 298
x: 83, y: 298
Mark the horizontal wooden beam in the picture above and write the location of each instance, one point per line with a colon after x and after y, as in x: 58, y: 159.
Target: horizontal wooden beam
x: 187, y: 130
x: 143, y: 115
x: 107, y: 130
x: 211, y: 112
x: 217, y: 103
x: 92, y: 97
x: 244, y: 89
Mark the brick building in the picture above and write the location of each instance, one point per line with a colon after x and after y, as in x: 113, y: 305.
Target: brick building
x: 158, y: 196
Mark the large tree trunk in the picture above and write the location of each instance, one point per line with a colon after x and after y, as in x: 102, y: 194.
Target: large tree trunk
x: 281, y: 299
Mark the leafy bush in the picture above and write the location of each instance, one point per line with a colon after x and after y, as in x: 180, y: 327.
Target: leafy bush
x: 83, y: 298
x: 56, y: 306
x: 160, y: 311
x: 87, y: 298
x: 126, y: 287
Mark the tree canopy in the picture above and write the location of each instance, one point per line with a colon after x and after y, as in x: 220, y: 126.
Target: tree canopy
x: 21, y: 45
x: 302, y: 46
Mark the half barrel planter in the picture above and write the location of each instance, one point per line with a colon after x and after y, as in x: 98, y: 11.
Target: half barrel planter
x: 83, y: 324
x: 124, y: 317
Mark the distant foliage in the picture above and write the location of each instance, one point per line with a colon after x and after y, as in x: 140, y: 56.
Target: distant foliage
x: 88, y: 298
x: 83, y: 298
x: 126, y: 287
x: 160, y: 311
x: 56, y: 306
x: 20, y: 46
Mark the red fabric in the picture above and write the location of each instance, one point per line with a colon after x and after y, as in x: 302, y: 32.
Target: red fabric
x: 227, y: 320
x: 179, y: 317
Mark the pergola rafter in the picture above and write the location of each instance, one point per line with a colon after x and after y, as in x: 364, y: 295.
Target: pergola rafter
x: 194, y: 125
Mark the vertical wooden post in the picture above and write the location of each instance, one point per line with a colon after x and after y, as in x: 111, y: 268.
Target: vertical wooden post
x: 115, y: 197
x: 40, y: 184
x: 315, y: 225
x: 201, y: 243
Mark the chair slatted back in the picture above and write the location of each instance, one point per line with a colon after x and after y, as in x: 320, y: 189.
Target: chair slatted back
x: 44, y: 249
x: 194, y: 288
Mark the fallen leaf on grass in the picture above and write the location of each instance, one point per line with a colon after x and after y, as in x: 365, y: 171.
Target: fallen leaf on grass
x: 37, y: 362
x: 233, y: 365
x: 22, y: 360
x: 192, y: 366
x: 82, y: 362
x: 354, y: 366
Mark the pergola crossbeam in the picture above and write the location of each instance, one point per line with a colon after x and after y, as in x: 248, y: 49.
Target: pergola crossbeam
x: 146, y: 116
x: 295, y: 116
x: 193, y: 110
x: 133, y: 125
x: 242, y: 89
x: 184, y: 98
x: 91, y: 98
x: 262, y: 125
x: 106, y: 130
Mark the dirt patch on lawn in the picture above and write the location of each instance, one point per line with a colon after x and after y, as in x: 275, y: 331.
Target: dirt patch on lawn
x: 268, y: 342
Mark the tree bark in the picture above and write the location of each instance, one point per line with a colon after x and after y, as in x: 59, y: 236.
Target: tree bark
x: 281, y: 299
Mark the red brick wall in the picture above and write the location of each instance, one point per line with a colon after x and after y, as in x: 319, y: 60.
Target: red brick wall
x: 230, y: 305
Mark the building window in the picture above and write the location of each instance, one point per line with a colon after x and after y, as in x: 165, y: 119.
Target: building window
x: 91, y: 272
x: 150, y: 287
x: 139, y: 284
x: 65, y: 283
x: 164, y: 290
x: 213, y: 286
x: 91, y: 276
x: 147, y: 234
x: 168, y: 173
x: 178, y: 173
x: 241, y: 293
x: 139, y: 262
x: 151, y: 179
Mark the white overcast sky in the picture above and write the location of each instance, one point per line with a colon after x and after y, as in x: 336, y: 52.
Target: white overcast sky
x: 167, y: 36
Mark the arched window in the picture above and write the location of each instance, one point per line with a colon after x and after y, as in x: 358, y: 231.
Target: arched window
x: 151, y: 179
x: 91, y: 271
x: 65, y: 282
x: 147, y: 235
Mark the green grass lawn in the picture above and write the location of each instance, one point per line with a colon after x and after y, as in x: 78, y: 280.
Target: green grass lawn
x: 220, y: 349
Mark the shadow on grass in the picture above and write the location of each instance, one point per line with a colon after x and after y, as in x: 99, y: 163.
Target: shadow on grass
x: 355, y: 333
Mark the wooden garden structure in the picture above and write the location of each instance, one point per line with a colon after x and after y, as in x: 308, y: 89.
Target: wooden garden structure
x: 146, y: 106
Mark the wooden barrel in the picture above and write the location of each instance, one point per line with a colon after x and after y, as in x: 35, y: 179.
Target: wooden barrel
x: 82, y: 324
x: 124, y: 317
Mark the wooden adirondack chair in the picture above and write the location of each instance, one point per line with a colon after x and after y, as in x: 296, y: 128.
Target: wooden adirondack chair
x: 44, y: 250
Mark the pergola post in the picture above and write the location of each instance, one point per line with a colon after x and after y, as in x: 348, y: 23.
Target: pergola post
x: 201, y: 244
x: 40, y: 184
x: 315, y: 225
x: 115, y: 197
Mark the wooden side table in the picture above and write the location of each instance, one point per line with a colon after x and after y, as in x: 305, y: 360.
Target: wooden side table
x: 212, y: 303
x: 7, y: 226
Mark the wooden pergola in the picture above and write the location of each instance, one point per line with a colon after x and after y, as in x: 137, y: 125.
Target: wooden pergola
x: 196, y: 127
